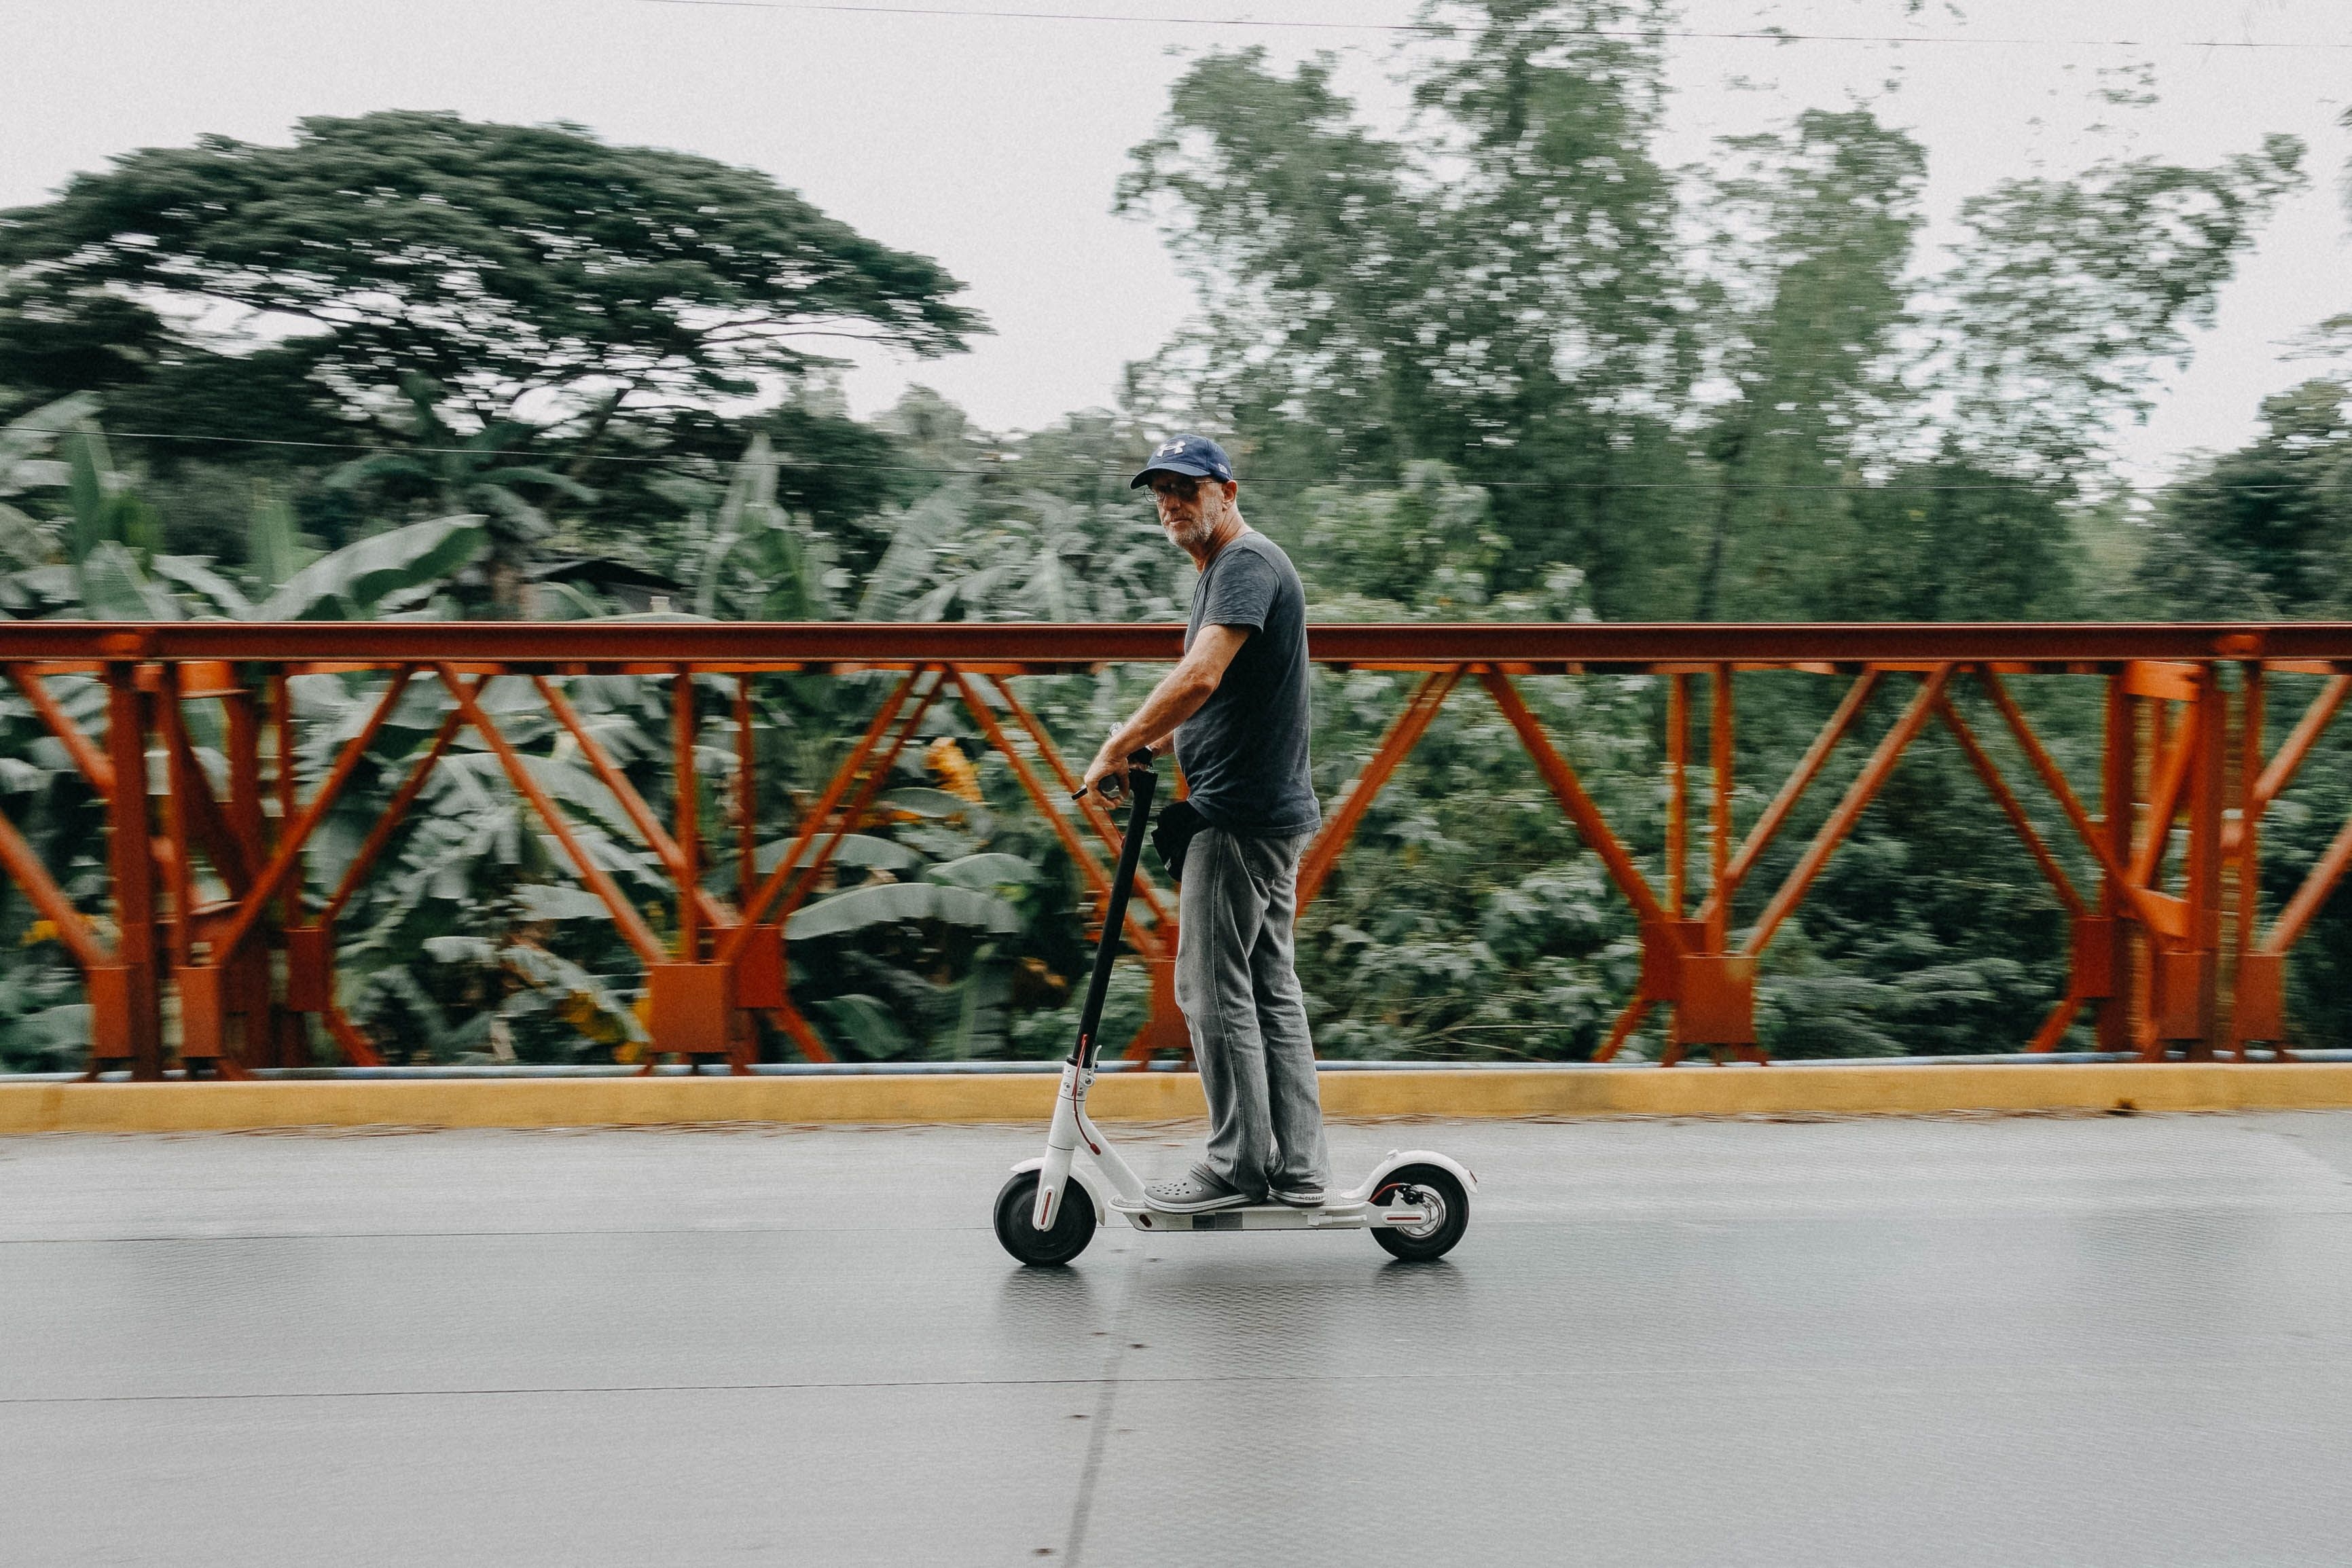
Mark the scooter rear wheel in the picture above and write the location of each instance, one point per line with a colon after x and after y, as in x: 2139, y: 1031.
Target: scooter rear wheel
x: 1073, y: 1228
x: 1434, y: 1239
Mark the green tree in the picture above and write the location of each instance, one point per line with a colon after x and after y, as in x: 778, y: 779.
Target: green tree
x: 525, y: 269
x: 2267, y: 530
x: 1817, y: 226
x: 1499, y: 294
x: 2069, y: 295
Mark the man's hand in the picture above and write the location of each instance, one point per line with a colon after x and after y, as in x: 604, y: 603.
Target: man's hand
x: 1107, y: 775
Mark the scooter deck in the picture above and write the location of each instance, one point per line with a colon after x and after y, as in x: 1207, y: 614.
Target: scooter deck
x: 1271, y: 1217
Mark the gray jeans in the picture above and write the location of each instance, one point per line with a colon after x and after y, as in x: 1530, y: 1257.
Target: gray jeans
x: 1240, y: 994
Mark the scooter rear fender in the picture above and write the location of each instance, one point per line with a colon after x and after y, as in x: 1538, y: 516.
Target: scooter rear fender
x: 1397, y: 1159
x: 1096, y: 1187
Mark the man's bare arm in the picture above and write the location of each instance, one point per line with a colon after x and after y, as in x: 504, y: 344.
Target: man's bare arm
x: 1177, y: 697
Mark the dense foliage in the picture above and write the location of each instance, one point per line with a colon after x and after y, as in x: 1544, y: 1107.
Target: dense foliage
x: 1507, y: 365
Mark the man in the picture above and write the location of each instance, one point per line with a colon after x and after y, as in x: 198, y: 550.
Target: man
x: 1236, y: 709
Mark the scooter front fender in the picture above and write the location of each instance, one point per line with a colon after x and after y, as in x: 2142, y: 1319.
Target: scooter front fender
x: 1093, y: 1185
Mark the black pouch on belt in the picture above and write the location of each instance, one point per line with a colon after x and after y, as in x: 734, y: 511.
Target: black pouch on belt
x: 1172, y: 835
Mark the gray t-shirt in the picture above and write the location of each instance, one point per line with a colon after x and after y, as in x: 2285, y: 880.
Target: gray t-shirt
x: 1244, y: 754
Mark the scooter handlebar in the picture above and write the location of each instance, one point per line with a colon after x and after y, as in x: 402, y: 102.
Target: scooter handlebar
x: 1137, y: 761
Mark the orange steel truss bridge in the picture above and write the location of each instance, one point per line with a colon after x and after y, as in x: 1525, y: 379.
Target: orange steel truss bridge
x: 2169, y: 948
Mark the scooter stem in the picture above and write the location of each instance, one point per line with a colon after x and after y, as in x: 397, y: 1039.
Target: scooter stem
x: 1142, y: 781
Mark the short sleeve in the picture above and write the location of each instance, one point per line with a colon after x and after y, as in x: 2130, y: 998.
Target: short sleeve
x: 1242, y: 592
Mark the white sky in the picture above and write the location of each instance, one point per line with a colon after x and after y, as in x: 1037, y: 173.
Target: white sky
x: 993, y: 144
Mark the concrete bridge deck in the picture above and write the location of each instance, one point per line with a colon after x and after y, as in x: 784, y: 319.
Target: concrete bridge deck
x: 2027, y: 1341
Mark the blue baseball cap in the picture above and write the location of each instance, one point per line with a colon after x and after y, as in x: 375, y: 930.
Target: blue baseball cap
x: 1194, y: 454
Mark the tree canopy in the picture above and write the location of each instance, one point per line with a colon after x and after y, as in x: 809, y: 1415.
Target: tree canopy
x: 527, y: 271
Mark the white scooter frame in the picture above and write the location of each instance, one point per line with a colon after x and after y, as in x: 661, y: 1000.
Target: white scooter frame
x: 1415, y: 1201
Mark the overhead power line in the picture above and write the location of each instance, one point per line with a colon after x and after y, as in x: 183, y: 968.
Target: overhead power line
x: 1437, y: 29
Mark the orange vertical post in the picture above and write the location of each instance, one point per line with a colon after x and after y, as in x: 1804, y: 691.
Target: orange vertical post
x: 1678, y: 789
x: 2196, y: 966
x: 2252, y: 698
x: 181, y: 885
x: 130, y: 857
x: 268, y: 1031
x: 2119, y: 774
x: 689, y: 815
x: 1721, y: 744
x: 747, y: 795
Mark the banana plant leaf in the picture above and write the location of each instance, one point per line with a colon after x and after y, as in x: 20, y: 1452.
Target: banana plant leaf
x: 901, y: 904
x: 547, y: 901
x: 991, y: 869
x: 112, y: 587
x: 927, y: 803
x: 348, y: 585
x: 36, y: 432
x: 865, y: 1025
x: 198, y: 578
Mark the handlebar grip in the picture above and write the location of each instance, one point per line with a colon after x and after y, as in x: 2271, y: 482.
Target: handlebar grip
x: 1137, y: 761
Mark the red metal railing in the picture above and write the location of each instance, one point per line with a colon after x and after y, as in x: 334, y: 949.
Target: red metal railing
x: 2163, y: 961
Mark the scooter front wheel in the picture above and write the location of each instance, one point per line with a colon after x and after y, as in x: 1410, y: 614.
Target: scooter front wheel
x: 1437, y: 1190
x: 1073, y: 1228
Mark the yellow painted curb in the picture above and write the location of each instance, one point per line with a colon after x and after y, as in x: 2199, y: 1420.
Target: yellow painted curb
x: 1859, y: 1090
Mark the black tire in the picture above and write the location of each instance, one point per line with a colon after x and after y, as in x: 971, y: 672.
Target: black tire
x: 1074, y: 1226
x: 1420, y: 1246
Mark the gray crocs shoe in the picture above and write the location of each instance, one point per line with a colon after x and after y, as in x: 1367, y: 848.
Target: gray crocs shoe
x: 1195, y: 1192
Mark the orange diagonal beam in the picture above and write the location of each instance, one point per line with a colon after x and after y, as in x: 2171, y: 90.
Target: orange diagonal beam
x: 358, y: 1048
x: 1858, y: 796
x: 2311, y: 895
x: 25, y: 869
x: 2301, y: 738
x: 86, y: 755
x: 2292, y: 753
x: 641, y: 816
x: 2053, y: 778
x: 1146, y: 941
x: 1403, y: 735
x: 2054, y: 1027
x: 2013, y: 809
x: 1622, y: 1029
x: 1087, y: 803
x: 389, y: 821
x: 633, y: 926
x: 755, y: 908
x: 1569, y: 789
x: 289, y: 852
x: 206, y: 821
x: 2164, y: 803
x: 1717, y: 906
x: 859, y: 801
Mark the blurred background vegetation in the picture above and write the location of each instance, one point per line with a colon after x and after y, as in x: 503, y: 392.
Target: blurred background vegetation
x: 1502, y: 365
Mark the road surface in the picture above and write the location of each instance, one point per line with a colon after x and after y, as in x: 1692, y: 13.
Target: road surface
x: 2027, y: 1341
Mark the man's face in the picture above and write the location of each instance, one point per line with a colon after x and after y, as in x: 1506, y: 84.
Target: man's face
x: 1191, y: 508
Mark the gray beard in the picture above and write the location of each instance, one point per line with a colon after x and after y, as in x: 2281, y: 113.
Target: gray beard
x: 1192, y: 536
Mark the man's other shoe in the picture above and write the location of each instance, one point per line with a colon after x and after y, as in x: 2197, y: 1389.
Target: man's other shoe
x: 1194, y: 1193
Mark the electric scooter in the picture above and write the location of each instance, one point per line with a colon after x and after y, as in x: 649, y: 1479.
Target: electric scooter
x: 1415, y: 1203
